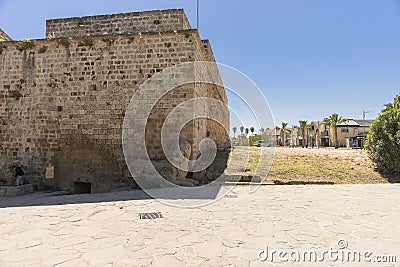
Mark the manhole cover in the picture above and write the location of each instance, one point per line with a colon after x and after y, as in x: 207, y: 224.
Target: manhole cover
x: 150, y: 216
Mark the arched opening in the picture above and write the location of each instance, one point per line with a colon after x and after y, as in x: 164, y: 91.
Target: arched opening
x: 84, y: 168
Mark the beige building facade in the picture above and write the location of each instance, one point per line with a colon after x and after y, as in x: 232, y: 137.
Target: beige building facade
x: 351, y: 134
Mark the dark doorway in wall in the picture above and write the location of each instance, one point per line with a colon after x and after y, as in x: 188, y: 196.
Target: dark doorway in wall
x: 82, y: 188
x: 89, y: 163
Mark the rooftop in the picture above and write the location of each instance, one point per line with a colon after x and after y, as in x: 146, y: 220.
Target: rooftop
x: 355, y: 123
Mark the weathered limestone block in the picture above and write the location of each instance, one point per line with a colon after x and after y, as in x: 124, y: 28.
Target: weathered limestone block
x: 12, y: 191
x: 6, y: 175
x: 124, y: 23
x: 4, y: 36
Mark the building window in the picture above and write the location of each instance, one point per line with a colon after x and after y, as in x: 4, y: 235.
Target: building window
x: 324, y: 133
x: 344, y: 130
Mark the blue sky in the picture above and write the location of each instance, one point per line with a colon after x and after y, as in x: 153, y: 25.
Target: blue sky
x: 310, y: 58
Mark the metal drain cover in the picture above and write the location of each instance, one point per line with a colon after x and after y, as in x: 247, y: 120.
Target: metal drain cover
x: 150, y: 216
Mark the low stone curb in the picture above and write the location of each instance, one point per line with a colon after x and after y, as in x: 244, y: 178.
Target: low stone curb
x: 13, y: 191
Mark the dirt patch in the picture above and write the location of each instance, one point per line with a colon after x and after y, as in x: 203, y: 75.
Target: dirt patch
x: 310, y: 166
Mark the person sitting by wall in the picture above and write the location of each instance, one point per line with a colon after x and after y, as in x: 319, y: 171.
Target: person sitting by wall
x: 19, y: 175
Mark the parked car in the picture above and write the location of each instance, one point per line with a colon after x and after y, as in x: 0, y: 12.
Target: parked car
x: 261, y: 143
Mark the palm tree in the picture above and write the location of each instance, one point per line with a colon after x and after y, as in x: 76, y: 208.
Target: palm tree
x: 294, y: 135
x: 246, y: 131
x: 234, y: 132
x: 241, y: 130
x: 317, y: 135
x: 303, y: 127
x: 252, y: 130
x: 283, y: 133
x: 277, y: 129
x: 310, y: 132
x: 333, y: 122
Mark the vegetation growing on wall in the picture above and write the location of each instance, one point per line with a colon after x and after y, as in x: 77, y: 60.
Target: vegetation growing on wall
x: 15, y: 94
x: 131, y: 39
x: 108, y: 41
x: 25, y: 44
x: 43, y: 49
x: 86, y: 42
x: 64, y: 42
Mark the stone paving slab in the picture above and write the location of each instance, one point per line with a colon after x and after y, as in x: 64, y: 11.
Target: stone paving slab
x: 105, y: 230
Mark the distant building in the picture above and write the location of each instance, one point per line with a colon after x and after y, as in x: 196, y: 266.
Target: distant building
x: 351, y: 133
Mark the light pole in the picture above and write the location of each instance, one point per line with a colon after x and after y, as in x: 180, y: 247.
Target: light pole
x: 317, y: 134
x: 197, y: 13
x: 364, y: 133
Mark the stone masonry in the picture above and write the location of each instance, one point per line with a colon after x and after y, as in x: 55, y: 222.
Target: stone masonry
x: 117, y: 24
x: 63, y: 99
x: 4, y: 36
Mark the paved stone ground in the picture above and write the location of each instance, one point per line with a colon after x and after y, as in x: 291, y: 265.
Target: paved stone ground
x: 229, y: 232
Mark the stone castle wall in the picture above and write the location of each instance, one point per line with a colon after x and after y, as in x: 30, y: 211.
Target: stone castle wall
x: 125, y: 23
x: 4, y: 36
x: 64, y: 100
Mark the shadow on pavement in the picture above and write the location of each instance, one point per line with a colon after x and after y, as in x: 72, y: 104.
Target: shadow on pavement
x: 49, y: 199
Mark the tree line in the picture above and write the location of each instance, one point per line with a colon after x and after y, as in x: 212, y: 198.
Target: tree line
x: 305, y: 128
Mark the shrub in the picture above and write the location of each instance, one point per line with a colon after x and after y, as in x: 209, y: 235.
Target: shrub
x: 383, y: 141
x: 86, y: 42
x: 43, y: 49
x: 25, y: 45
x: 64, y: 42
x: 254, y: 138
